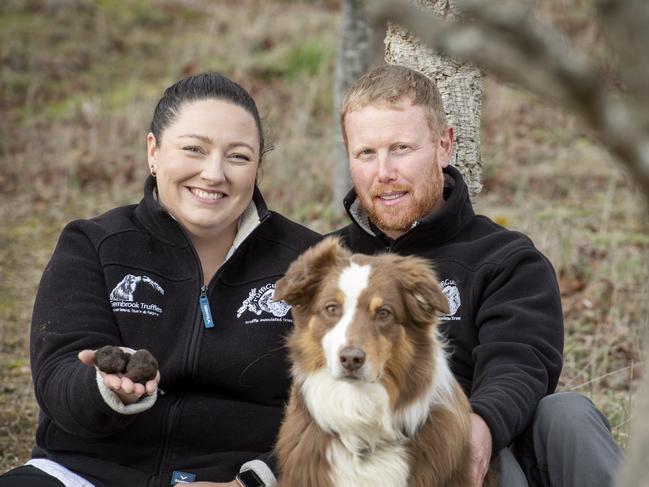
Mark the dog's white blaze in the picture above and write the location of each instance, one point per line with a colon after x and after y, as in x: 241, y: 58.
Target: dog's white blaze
x: 352, y: 281
x: 365, y: 448
x: 440, y: 393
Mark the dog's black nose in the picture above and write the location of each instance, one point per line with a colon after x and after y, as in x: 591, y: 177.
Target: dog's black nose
x: 352, y: 358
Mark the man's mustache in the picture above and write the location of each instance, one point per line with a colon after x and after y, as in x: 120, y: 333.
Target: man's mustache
x: 380, y: 189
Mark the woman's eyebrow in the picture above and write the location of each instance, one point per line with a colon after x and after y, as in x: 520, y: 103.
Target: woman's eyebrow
x: 245, y: 144
x: 208, y: 140
x: 202, y: 138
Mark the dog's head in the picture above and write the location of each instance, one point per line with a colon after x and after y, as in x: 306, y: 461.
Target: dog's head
x: 360, y: 316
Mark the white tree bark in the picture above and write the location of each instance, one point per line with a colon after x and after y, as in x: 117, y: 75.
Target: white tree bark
x: 352, y: 62
x: 459, y: 84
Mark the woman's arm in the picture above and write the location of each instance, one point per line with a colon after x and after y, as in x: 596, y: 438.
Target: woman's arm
x: 72, y: 313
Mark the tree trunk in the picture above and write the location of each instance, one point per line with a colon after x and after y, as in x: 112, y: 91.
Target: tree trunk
x: 352, y: 62
x: 458, y: 83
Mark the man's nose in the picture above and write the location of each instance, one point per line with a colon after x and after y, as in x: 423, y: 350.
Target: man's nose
x: 387, y: 169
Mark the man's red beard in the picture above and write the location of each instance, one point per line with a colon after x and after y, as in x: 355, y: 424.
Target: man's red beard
x: 400, y: 217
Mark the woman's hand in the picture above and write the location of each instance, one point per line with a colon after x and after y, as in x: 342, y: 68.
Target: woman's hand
x: 480, y: 449
x: 128, y: 391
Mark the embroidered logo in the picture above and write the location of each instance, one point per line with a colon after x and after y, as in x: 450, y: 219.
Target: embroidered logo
x: 122, y: 297
x: 260, y: 301
x: 452, y: 293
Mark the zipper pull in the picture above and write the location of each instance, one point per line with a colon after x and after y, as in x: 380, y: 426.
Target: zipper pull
x: 205, y: 308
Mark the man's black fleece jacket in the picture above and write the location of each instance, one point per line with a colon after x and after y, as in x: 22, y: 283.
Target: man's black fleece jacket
x: 131, y: 277
x: 505, y: 328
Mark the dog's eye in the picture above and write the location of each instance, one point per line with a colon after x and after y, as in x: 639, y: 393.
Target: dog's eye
x: 331, y: 309
x: 383, y: 313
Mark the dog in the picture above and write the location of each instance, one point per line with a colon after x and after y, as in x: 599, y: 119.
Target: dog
x: 373, y: 400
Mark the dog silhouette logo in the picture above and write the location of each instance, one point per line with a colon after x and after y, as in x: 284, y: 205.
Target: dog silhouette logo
x: 125, y: 289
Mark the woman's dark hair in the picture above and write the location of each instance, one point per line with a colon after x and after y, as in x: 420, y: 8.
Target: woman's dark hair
x: 200, y: 87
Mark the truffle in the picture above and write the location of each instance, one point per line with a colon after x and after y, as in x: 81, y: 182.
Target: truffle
x: 111, y: 360
x: 141, y: 367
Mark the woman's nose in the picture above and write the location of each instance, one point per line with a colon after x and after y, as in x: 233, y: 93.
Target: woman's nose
x: 213, y: 169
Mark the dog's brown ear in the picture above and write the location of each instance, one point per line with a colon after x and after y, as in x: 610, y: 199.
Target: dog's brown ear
x: 424, y: 298
x: 303, y: 276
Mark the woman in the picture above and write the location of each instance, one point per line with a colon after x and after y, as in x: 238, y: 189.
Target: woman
x: 188, y: 274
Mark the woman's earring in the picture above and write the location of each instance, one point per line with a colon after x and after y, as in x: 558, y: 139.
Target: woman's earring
x: 152, y: 168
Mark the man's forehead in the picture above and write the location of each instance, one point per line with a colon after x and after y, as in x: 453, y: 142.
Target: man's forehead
x: 400, y: 104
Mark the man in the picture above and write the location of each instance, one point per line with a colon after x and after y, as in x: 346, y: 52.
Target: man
x: 505, y: 328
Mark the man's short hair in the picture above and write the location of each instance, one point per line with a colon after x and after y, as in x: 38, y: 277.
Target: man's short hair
x: 387, y: 86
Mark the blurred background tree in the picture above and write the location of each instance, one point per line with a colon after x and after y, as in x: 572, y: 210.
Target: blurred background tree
x: 353, y: 59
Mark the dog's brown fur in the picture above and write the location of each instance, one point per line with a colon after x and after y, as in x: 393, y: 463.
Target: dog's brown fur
x: 401, y: 346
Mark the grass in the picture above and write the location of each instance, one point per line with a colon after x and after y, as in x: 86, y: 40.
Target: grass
x: 77, y: 93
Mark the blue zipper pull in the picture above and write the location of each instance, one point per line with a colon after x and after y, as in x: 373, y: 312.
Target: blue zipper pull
x: 205, y: 309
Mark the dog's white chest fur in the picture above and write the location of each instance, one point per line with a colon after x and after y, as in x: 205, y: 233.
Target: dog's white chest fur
x: 366, y: 449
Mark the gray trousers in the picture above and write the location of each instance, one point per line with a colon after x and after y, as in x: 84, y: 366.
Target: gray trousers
x: 569, y: 444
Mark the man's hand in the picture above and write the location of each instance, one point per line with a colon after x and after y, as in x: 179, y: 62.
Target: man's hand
x: 480, y: 450
x: 128, y: 391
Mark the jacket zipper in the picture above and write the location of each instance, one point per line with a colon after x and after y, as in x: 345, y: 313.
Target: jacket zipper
x: 204, y: 317
x: 206, y: 311
x: 156, y: 480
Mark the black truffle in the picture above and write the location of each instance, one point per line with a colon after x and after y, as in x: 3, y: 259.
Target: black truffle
x: 141, y: 367
x: 111, y: 360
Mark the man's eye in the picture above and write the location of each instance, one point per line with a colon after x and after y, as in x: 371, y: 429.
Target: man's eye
x: 365, y: 153
x: 401, y: 148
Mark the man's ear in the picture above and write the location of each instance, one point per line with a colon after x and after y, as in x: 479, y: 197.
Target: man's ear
x: 423, y: 297
x: 446, y: 146
x: 299, y: 284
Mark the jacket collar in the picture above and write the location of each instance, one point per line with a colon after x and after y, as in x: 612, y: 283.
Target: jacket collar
x: 159, y: 222
x: 437, y: 226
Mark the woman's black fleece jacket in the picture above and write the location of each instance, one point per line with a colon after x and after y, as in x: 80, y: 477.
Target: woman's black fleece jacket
x: 131, y: 277
x: 505, y: 328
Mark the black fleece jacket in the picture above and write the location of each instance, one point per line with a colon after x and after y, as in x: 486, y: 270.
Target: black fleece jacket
x: 505, y: 328
x: 131, y: 277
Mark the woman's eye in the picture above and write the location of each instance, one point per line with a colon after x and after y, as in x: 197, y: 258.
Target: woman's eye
x: 239, y: 157
x: 194, y: 149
